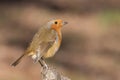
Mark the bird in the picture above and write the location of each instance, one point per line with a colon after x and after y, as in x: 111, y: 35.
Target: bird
x: 45, y: 42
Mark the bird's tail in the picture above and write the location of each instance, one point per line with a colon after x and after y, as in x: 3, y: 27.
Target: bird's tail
x: 17, y: 61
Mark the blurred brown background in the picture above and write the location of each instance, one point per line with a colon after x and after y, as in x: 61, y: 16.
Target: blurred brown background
x: 90, y: 48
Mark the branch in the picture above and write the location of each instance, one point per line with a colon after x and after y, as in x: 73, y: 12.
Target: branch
x: 49, y: 73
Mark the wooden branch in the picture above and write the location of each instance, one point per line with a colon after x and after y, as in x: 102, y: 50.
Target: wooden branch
x: 49, y: 73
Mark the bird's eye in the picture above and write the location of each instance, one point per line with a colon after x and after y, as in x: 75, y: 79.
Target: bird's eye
x: 56, y: 22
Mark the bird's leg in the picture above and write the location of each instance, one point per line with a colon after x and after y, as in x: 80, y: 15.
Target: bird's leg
x: 42, y: 63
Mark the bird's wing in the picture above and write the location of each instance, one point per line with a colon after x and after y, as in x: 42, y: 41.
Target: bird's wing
x: 44, y: 47
x: 41, y: 42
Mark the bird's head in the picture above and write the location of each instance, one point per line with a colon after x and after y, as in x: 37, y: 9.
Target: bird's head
x: 56, y: 24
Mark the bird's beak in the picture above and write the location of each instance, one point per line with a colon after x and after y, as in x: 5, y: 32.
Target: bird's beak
x: 64, y: 23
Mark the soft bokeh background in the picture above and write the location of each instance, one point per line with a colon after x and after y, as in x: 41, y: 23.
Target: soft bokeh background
x: 90, y: 48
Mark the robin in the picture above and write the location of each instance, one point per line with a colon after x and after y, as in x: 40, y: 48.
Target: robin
x: 45, y: 43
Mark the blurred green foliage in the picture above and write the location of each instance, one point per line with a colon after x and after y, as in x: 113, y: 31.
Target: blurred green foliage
x: 110, y: 17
